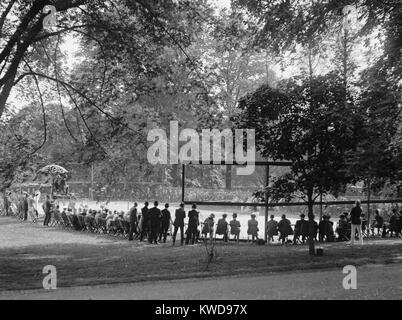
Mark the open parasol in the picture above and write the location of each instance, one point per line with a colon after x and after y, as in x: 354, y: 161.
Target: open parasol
x: 53, y: 169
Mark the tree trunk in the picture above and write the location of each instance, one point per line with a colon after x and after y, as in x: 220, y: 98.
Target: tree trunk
x: 311, y: 225
x: 228, y: 177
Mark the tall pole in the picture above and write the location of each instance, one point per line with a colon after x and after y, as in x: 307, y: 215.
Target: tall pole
x: 368, y: 204
x: 266, y: 203
x: 183, y: 180
x: 320, y: 206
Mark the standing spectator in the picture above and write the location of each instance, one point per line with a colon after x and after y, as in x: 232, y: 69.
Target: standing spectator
x: 133, y: 221
x: 355, y: 215
x: 272, y: 228
x: 193, y: 223
x: 179, y: 223
x: 222, y: 227
x: 165, y: 223
x: 48, y: 208
x: 235, y: 227
x: 144, y: 221
x: 37, y: 199
x: 285, y: 229
x: 25, y: 206
x: 253, y: 228
x: 393, y: 223
x: 6, y: 203
x: 31, y: 209
x: 154, y: 223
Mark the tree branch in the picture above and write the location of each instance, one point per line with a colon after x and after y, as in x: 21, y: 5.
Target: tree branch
x: 43, y: 111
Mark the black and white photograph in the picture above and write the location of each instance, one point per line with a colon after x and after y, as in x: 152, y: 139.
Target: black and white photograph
x: 201, y: 155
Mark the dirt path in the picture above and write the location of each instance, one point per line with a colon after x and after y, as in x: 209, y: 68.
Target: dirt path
x: 373, y: 282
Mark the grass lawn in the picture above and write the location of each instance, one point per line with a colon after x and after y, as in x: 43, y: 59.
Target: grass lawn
x: 87, y: 259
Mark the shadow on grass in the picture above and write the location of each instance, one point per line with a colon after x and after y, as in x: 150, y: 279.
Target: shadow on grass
x: 124, y: 262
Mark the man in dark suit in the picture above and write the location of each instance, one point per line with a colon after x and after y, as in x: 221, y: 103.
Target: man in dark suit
x: 133, y: 222
x: 48, y: 208
x: 145, y: 221
x: 154, y: 222
x: 355, y: 214
x: 25, y: 206
x: 193, y: 222
x: 165, y: 223
x: 179, y: 223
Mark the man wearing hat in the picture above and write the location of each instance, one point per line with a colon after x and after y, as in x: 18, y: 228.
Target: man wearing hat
x: 165, y: 223
x: 193, y: 222
x: 154, y: 223
x: 144, y: 221
x: 133, y: 222
x: 179, y: 223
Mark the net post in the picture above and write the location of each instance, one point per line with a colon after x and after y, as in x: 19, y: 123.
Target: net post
x: 266, y: 202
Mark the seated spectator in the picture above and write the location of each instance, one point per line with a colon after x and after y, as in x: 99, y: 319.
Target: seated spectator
x: 252, y: 229
x: 235, y: 227
x: 285, y: 229
x: 208, y: 227
x: 89, y: 220
x: 74, y: 219
x: 126, y: 216
x: 364, y: 222
x: 222, y: 227
x: 272, y: 228
x: 347, y: 217
x: 98, y: 216
x: 326, y: 230
x: 378, y: 221
x: 301, y: 229
x: 343, y: 229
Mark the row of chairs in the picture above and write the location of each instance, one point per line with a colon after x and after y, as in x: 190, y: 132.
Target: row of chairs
x: 89, y: 223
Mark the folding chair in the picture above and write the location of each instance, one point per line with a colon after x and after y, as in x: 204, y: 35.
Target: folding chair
x: 66, y: 221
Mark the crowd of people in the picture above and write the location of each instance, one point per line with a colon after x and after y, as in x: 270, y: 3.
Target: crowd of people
x: 154, y: 224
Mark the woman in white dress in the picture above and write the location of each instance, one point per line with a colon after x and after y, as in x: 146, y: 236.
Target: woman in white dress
x: 36, y: 203
x: 31, y: 209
